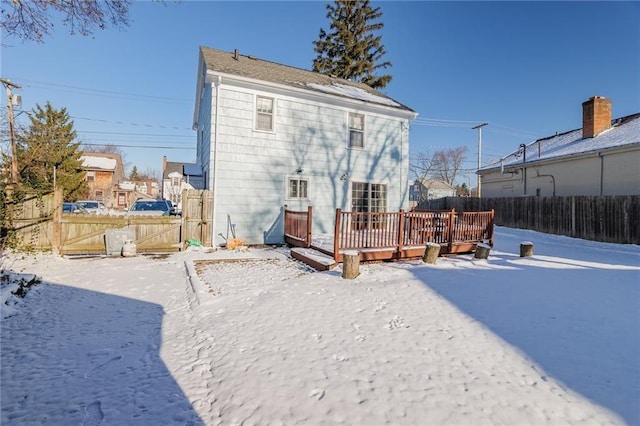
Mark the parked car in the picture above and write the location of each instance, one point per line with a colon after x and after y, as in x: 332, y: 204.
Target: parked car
x: 94, y: 207
x: 150, y: 207
x: 74, y: 208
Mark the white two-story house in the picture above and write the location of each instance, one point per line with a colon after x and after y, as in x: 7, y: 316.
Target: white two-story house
x: 271, y: 135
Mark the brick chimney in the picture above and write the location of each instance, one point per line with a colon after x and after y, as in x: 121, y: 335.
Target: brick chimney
x: 596, y: 116
x: 164, y: 163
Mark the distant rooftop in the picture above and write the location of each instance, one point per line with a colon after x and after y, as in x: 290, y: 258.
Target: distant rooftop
x: 623, y: 131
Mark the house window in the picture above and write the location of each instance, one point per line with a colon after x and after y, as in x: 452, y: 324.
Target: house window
x: 264, y: 113
x: 368, y: 198
x: 297, y: 188
x: 122, y: 199
x: 91, y: 176
x: 176, y: 181
x: 356, y: 130
x: 99, y: 195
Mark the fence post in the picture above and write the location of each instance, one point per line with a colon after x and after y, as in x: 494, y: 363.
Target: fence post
x: 452, y: 222
x: 309, y: 225
x: 56, y: 232
x: 491, y: 224
x: 401, y: 230
x: 336, y: 235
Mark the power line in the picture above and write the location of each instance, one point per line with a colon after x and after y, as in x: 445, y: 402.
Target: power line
x: 135, y: 134
x: 138, y: 146
x: 48, y: 85
x: 131, y: 124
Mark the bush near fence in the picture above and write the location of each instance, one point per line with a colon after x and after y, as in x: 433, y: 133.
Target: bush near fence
x: 613, y: 219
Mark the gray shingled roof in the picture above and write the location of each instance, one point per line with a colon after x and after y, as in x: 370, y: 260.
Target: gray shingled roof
x: 259, y: 69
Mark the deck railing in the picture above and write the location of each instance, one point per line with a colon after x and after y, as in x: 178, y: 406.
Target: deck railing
x: 404, y: 234
x: 297, y: 227
x: 389, y: 235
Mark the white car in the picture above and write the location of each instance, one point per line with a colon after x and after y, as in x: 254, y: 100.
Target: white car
x: 94, y: 207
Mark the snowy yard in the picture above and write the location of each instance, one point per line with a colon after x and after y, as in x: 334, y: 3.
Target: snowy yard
x: 252, y: 337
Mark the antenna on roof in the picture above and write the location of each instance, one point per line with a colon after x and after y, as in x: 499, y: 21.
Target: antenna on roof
x: 235, y: 54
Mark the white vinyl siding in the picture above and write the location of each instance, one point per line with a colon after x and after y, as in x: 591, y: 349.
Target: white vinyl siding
x: 264, y: 113
x: 255, y: 167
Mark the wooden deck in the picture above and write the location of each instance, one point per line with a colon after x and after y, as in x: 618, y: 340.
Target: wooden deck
x: 393, y: 235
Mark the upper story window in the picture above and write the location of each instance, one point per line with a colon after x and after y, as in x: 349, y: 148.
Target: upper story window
x: 264, y: 113
x: 356, y: 130
x: 175, y: 181
x: 91, y: 176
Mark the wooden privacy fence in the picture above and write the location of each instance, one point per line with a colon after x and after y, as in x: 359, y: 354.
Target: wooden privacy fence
x: 38, y: 224
x: 614, y: 219
x: 395, y: 235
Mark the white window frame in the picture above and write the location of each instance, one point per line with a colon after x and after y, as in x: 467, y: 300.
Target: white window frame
x: 258, y: 113
x: 297, y: 179
x: 91, y: 176
x: 354, y: 130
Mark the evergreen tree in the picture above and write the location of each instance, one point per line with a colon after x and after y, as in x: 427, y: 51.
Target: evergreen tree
x: 350, y: 49
x: 47, y: 144
x: 133, y: 176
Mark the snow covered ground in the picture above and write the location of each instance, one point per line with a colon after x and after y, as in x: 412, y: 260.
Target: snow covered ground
x: 253, y: 337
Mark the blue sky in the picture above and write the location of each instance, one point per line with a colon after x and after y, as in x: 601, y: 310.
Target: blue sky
x: 524, y: 67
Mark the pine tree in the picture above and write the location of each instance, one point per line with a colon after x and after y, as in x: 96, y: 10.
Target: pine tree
x: 48, y: 144
x: 351, y: 50
x: 133, y: 176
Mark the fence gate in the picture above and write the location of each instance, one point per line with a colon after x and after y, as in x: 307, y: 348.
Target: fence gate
x: 197, y: 208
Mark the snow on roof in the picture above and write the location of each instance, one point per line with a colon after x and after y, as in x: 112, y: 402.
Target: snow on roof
x: 352, y: 92
x: 91, y: 162
x: 623, y: 131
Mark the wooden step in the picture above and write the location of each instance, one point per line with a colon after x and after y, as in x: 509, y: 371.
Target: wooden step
x: 313, y: 258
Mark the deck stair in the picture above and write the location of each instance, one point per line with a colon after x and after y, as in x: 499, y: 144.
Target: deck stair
x: 314, y: 258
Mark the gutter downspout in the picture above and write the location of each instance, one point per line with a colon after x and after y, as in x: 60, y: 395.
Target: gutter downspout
x: 216, y: 85
x: 524, y: 167
x: 553, y: 180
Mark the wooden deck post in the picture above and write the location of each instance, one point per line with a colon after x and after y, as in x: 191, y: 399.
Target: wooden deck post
x: 309, y: 225
x: 431, y: 253
x: 401, y: 231
x: 482, y: 251
x: 452, y: 223
x: 351, y: 265
x: 336, y: 236
x: 526, y: 249
x: 491, y: 223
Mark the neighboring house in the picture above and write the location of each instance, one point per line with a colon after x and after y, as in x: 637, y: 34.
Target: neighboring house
x: 270, y: 135
x: 601, y: 158
x: 428, y: 189
x: 176, y: 177
x: 104, y: 172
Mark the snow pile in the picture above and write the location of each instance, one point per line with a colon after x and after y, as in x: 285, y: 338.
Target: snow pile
x: 251, y: 336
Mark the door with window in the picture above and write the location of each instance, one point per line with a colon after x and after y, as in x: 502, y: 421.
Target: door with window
x: 367, y: 198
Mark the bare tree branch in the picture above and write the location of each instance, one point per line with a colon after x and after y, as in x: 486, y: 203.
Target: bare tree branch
x: 33, y: 19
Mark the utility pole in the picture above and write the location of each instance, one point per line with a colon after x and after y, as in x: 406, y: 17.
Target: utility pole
x: 479, y: 127
x: 12, y: 135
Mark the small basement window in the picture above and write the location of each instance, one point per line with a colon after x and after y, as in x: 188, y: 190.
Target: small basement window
x: 298, y: 188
